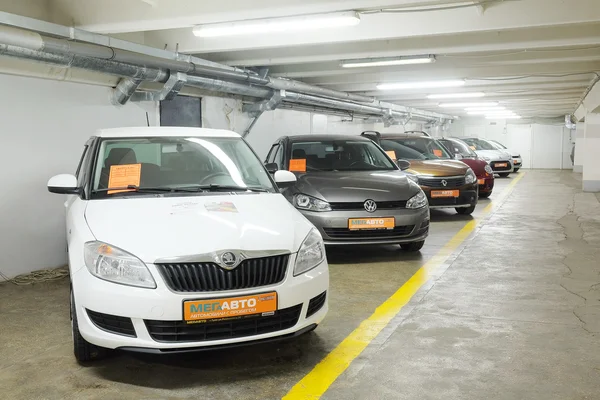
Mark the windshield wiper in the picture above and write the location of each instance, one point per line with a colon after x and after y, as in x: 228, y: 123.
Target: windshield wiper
x: 135, y: 188
x: 218, y: 188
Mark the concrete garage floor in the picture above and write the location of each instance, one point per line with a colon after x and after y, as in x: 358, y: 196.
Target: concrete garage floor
x: 513, y: 314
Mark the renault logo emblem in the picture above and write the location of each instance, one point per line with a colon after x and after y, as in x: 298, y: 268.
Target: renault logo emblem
x: 370, y: 206
x: 444, y: 183
x: 228, y: 260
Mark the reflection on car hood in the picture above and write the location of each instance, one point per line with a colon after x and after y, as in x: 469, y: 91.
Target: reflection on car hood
x: 163, y: 227
x: 438, y: 167
x: 356, y: 186
x: 494, y: 155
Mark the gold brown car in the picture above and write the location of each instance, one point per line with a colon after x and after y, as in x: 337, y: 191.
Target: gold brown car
x: 448, y: 183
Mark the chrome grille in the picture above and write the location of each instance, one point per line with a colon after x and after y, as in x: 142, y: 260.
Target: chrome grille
x: 356, y: 206
x: 210, y: 277
x: 451, y: 182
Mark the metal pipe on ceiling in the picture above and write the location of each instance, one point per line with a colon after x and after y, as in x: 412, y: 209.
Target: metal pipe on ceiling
x: 31, y: 45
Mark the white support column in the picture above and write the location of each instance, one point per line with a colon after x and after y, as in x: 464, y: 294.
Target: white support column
x: 591, y: 154
x: 579, y: 146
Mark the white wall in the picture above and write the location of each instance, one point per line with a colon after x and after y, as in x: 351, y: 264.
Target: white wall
x: 541, y: 146
x: 44, y: 125
x: 227, y: 114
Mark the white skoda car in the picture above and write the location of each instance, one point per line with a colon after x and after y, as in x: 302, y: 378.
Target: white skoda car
x: 179, y: 240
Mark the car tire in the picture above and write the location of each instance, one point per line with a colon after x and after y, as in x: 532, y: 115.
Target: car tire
x: 504, y: 174
x: 82, y: 349
x: 413, y: 246
x: 485, y: 195
x: 466, y: 210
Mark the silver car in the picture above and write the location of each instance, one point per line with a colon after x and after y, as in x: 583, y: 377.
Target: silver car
x: 352, y: 191
x: 500, y: 160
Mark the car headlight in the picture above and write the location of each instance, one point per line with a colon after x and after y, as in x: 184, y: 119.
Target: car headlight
x: 417, y: 201
x: 311, y: 253
x: 115, y: 265
x: 470, y: 177
x: 488, y: 169
x: 486, y: 158
x: 310, y: 203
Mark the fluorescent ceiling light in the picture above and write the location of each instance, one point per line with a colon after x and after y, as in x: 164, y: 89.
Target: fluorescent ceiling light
x: 498, y: 108
x: 275, y: 25
x: 456, y: 95
x: 383, y: 62
x: 420, y: 85
x: 464, y: 105
x: 503, y: 117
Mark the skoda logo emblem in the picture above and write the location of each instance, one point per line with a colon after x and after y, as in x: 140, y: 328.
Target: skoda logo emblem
x: 444, y: 183
x: 228, y: 260
x: 370, y: 206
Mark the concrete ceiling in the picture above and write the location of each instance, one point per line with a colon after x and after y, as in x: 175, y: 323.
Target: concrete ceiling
x: 537, y: 57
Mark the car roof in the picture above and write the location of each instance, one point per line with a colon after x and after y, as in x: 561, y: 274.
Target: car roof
x: 404, y: 136
x: 331, y: 136
x: 165, y: 131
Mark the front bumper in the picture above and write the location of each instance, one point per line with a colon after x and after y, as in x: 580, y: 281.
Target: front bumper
x: 488, y: 184
x: 163, y: 305
x: 517, y: 162
x: 467, y: 197
x: 410, y: 226
x: 499, y: 168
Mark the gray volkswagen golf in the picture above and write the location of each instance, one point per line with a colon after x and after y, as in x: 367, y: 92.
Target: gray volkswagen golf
x: 352, y: 191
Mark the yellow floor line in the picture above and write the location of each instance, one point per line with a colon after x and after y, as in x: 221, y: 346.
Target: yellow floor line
x: 317, y: 381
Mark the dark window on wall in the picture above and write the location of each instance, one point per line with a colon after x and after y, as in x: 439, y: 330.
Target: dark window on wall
x: 181, y: 111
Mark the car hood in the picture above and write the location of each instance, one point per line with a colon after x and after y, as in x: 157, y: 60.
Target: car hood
x: 477, y: 165
x: 356, y: 186
x: 438, y: 167
x: 165, y: 227
x: 515, y: 154
x: 494, y: 155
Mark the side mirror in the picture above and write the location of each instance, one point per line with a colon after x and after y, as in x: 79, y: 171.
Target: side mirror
x: 403, y: 164
x: 284, y: 179
x: 271, y: 167
x: 63, y: 184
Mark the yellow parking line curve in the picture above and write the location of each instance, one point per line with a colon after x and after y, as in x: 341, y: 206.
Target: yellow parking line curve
x: 322, y: 376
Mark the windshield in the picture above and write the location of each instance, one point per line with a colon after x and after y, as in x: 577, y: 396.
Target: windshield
x: 498, y: 145
x: 479, y: 144
x: 339, y: 155
x: 173, y: 163
x: 459, y: 147
x: 418, y: 148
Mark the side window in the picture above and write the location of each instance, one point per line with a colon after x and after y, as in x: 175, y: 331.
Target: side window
x: 272, y: 153
x: 279, y: 157
x: 83, y: 170
x: 85, y: 149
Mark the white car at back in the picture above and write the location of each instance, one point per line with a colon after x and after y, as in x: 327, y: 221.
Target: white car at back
x: 500, y: 160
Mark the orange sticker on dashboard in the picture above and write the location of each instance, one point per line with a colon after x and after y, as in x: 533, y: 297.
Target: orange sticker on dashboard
x: 473, y: 147
x: 123, y: 176
x: 391, y: 154
x: 438, y: 153
x: 298, y: 165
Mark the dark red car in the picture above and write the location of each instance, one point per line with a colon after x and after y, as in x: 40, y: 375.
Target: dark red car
x: 461, y: 151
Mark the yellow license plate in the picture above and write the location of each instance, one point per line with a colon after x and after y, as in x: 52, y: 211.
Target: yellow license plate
x: 197, y: 311
x: 502, y: 165
x: 371, y: 223
x: 444, y: 193
x: 481, y: 181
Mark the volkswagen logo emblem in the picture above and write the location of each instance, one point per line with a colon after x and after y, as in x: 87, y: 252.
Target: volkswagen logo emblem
x: 444, y: 183
x: 228, y: 260
x: 370, y: 206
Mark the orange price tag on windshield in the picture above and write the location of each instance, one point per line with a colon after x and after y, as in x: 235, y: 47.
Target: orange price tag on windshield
x: 298, y: 165
x: 392, y: 154
x: 124, y: 175
x: 473, y: 147
x: 438, y: 153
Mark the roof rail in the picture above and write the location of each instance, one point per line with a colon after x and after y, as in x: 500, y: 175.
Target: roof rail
x: 422, y: 133
x: 365, y: 133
